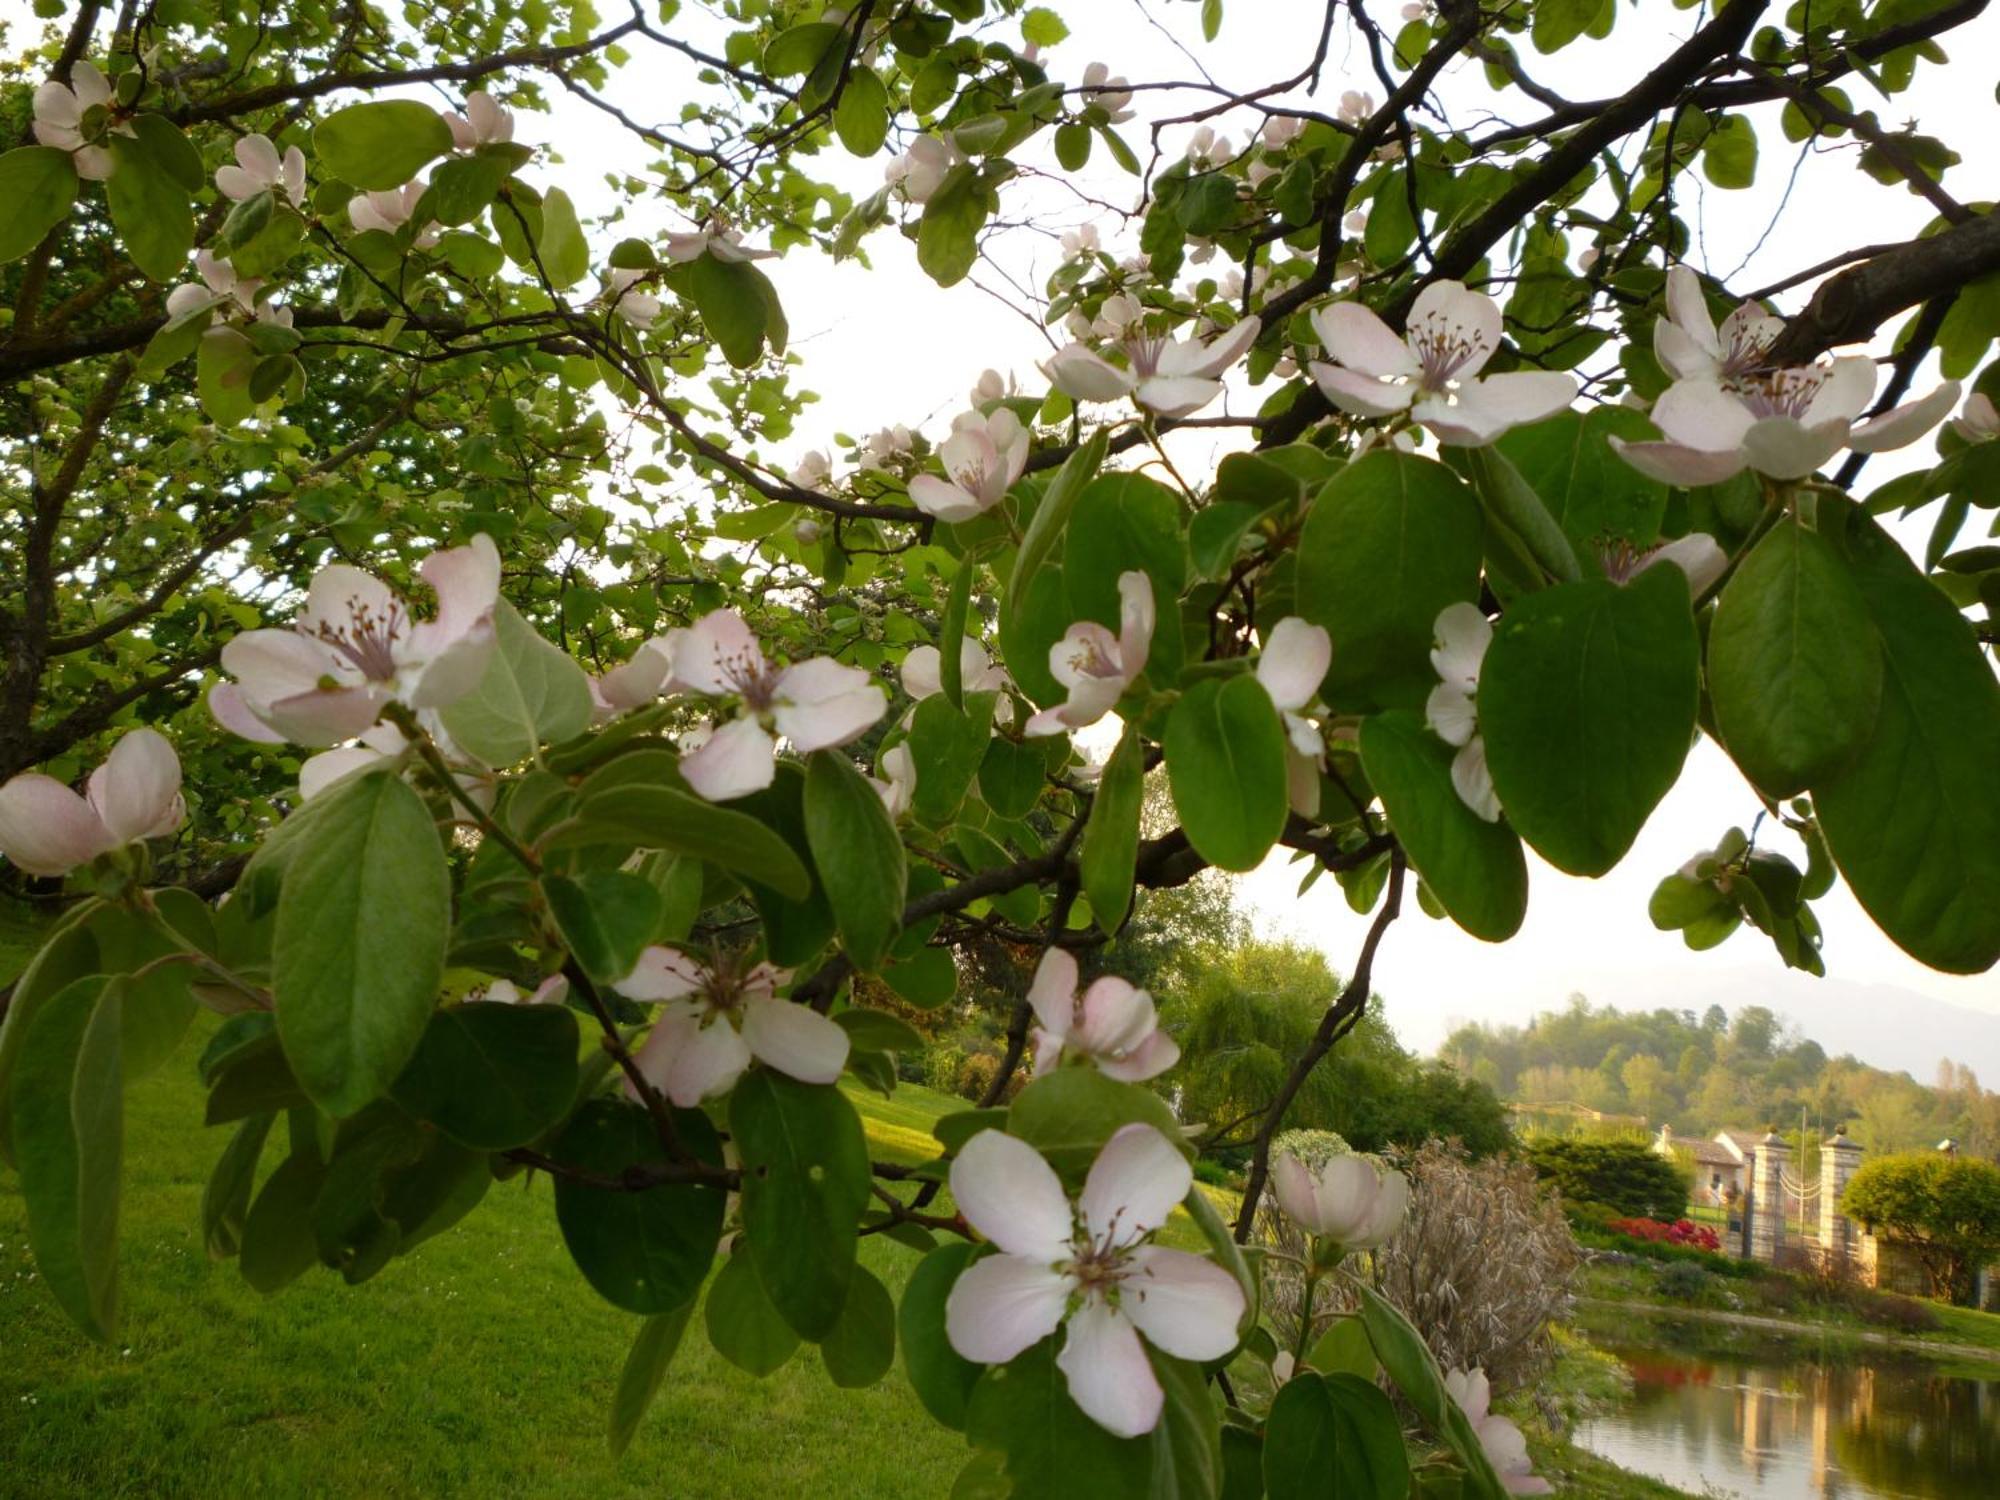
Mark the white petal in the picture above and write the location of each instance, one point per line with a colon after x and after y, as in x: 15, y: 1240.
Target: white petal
x: 1462, y: 634
x: 226, y: 704
x: 1697, y: 555
x: 467, y: 582
x: 1002, y: 1305
x: 236, y: 184
x: 1011, y: 1195
x: 923, y: 672
x: 1689, y: 308
x: 1108, y: 1373
x: 323, y: 770
x: 795, y: 1039
x: 1473, y: 782
x: 1677, y: 464
x: 91, y: 86
x: 136, y: 793
x: 1385, y: 1213
x: 1085, y: 646
x: 1682, y: 356
x: 1185, y: 1305
x: 46, y: 829
x: 711, y: 654
x: 258, y: 158
x: 1136, y: 621
x: 1902, y: 425
x: 325, y: 716
x: 1361, y: 395
x: 271, y: 664
x: 1152, y: 1057
x: 1451, y: 713
x: 1133, y: 1185
x: 1845, y: 393
x: 57, y: 105
x: 662, y: 973
x: 1114, y: 1017
x: 830, y: 721
x: 690, y: 1062
x: 1700, y: 414
x: 1082, y: 376
x: 739, y: 758
x: 1090, y: 699
x: 1472, y: 1392
x: 1451, y: 313
x: 1296, y: 656
x: 1484, y: 409
x: 1177, y: 395
x: 1222, y: 352
x: 634, y: 682
x: 1356, y: 337
x: 941, y: 498
x: 1052, y: 996
x: 1292, y: 1181
x: 338, y: 595
x: 1785, y: 448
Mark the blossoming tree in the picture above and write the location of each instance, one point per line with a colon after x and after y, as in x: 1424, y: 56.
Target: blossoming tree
x: 332, y: 427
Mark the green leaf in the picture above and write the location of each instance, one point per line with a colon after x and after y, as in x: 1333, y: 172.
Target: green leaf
x: 659, y: 817
x: 225, y: 363
x: 645, y: 1368
x: 878, y: 1031
x: 68, y: 1119
x: 1042, y: 27
x: 742, y: 1324
x: 1334, y: 1435
x: 951, y: 633
x: 1794, y: 663
x: 1034, y: 615
x: 1513, y: 503
x: 561, y: 247
x: 1211, y: 19
x: 1225, y: 750
x: 1587, y: 706
x: 225, y: 1201
x: 1011, y: 776
x: 859, y: 855
x: 1123, y: 522
x: 1069, y: 1114
x: 805, y: 1183
x: 1073, y: 142
x: 861, y: 119
x: 646, y: 1252
x: 150, y: 209
x: 1390, y: 541
x: 1054, y: 1452
x: 606, y: 917
x: 948, y: 747
x: 730, y: 296
x: 1047, y: 525
x: 948, y: 233
x: 493, y: 1076
x: 1594, y: 495
x: 464, y: 187
x: 533, y: 693
x: 799, y: 49
x: 278, y: 1243
x: 926, y: 979
x: 1914, y: 821
x: 1729, y: 154
x: 363, y: 915
x: 38, y: 185
x: 1410, y: 1365
x: 1344, y: 1350
x: 1111, y: 840
x: 942, y: 1377
x: 380, y: 145
x: 171, y: 150
x: 1475, y: 868
x: 862, y: 1346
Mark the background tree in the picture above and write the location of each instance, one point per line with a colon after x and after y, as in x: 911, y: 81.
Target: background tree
x: 1945, y: 1208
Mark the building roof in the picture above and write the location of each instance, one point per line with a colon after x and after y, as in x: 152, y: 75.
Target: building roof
x: 1744, y: 1141
x: 1708, y: 1153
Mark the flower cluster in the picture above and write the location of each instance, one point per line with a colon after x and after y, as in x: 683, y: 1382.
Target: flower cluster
x: 1499, y: 1439
x: 1681, y: 1232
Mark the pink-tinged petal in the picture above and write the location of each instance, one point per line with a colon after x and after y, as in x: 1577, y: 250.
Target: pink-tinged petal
x: 259, y: 158
x: 1011, y: 1195
x: 492, y: 122
x: 236, y: 184
x: 228, y: 708
x: 1689, y: 308
x: 551, y: 991
x: 1385, y: 1212
x: 1082, y: 376
x: 739, y: 758
x: 795, y: 1039
x: 1133, y: 1185
x: 270, y: 664
x: 1113, y: 1017
x: 1698, y: 557
x: 833, y: 721
x: 325, y: 716
x: 634, y: 682
x: 338, y: 595
x: 1902, y: 425
x: 91, y: 86
x: 1109, y: 1376
x: 1302, y: 788
x: 1356, y: 337
x: 1748, y: 327
x: 715, y: 652
x: 1702, y: 415
x: 969, y: 451
x: 923, y: 672
x: 1980, y: 419
x: 136, y: 793
x: 1681, y: 356
x: 329, y: 766
x: 1492, y: 406
x: 1294, y: 662
x: 1292, y: 1181
x: 1052, y: 996
x: 1451, y: 315
x: 293, y: 175
x: 1472, y: 1392
x: 688, y: 1061
x: 56, y: 105
x: 1473, y: 782
x: 467, y: 582
x: 93, y: 163
x: 1677, y: 464
x: 1136, y: 621
x: 943, y: 499
x: 662, y: 973
x: 1451, y: 713
x: 1461, y: 635
x: 1048, y: 1050
x: 1152, y: 1057
x: 1345, y: 1189
x: 820, y: 679
x: 46, y: 829
x: 1361, y: 395
x: 1185, y: 1305
x: 1177, y: 395
x: 1002, y: 1305
x: 1084, y: 655
x: 1221, y: 353
x: 1845, y: 392
x: 1786, y: 448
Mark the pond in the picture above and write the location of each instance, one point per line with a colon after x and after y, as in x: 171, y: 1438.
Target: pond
x: 1799, y: 1422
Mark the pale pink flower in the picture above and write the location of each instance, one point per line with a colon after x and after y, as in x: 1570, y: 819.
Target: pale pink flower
x: 634, y: 682
x: 1106, y: 92
x: 923, y: 670
x: 1294, y: 662
x: 1111, y: 1024
x: 551, y: 991
x: 259, y: 169
x: 982, y: 458
x: 1349, y: 1199
x: 714, y: 1020
x: 637, y: 306
x: 1689, y: 346
x: 1499, y: 1438
x: 47, y: 829
x: 1174, y: 377
x: 485, y: 122
x: 714, y: 238
x: 390, y: 209
x: 59, y: 119
x: 922, y: 169
x: 897, y: 785
x: 1979, y: 420
x: 1463, y: 634
x: 1095, y: 666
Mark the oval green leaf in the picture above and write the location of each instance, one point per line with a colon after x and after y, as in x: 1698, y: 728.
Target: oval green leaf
x: 1225, y: 752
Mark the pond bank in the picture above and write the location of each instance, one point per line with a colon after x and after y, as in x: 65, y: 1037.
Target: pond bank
x: 1934, y: 1348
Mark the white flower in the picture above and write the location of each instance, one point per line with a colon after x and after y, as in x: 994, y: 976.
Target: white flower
x: 1356, y: 106
x: 1089, y: 1266
x: 1168, y: 375
x: 356, y: 647
x: 1107, y: 93
x: 982, y: 458
x: 1291, y: 668
x: 714, y: 238
x: 991, y: 387
x: 634, y: 682
x: 47, y: 829
x: 59, y: 118
x: 1206, y: 150
x: 218, y: 281
x: 815, y: 704
x: 1096, y: 666
x: 1281, y: 130
x: 1690, y: 347
x: 259, y: 169
x: 637, y: 307
x: 1783, y: 423
x: 1349, y: 1199
x: 1979, y: 421
x: 389, y: 210
x: 714, y: 1021
x: 812, y: 471
x: 921, y: 170
x: 897, y: 785
x: 551, y: 991
x: 923, y: 670
x: 1080, y: 242
x: 1697, y: 555
x: 891, y: 444
x: 484, y: 123
x: 1112, y: 1024
x: 1463, y: 634
x: 1501, y: 1440
x: 376, y: 743
x: 1433, y: 373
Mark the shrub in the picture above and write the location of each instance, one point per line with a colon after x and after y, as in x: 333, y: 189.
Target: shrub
x: 1681, y: 1281
x: 1681, y: 1232
x: 976, y: 1074
x: 1628, y: 1177
x: 942, y: 1065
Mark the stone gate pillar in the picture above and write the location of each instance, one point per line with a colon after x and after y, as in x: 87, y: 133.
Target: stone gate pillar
x: 1767, y: 1198
x: 1839, y: 1236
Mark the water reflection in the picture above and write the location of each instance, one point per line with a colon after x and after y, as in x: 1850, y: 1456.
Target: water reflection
x: 1778, y: 1427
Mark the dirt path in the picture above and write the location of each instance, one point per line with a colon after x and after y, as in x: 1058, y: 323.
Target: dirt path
x: 1934, y: 1347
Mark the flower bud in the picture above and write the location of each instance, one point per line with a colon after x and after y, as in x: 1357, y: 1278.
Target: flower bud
x: 1351, y: 1200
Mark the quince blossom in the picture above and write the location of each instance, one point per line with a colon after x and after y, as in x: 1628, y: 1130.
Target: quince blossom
x: 1463, y: 634
x: 1111, y: 1024
x: 1293, y: 664
x: 47, y: 829
x: 1433, y: 373
x: 897, y: 785
x: 60, y: 109
x: 1096, y: 666
x: 355, y: 648
x: 1171, y: 376
x: 389, y: 210
x: 714, y: 1020
x: 1088, y: 1265
x: 1979, y: 420
x: 551, y: 991
x: 816, y: 704
x: 982, y: 458
x: 714, y: 238
x: 923, y: 670
x: 1107, y: 93
x: 634, y: 682
x: 1690, y: 347
x: 259, y: 169
x: 1499, y: 1438
x: 1349, y: 1199
x: 641, y: 309
x: 921, y: 169
x: 219, y: 282
x: 812, y: 471
x: 485, y: 122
